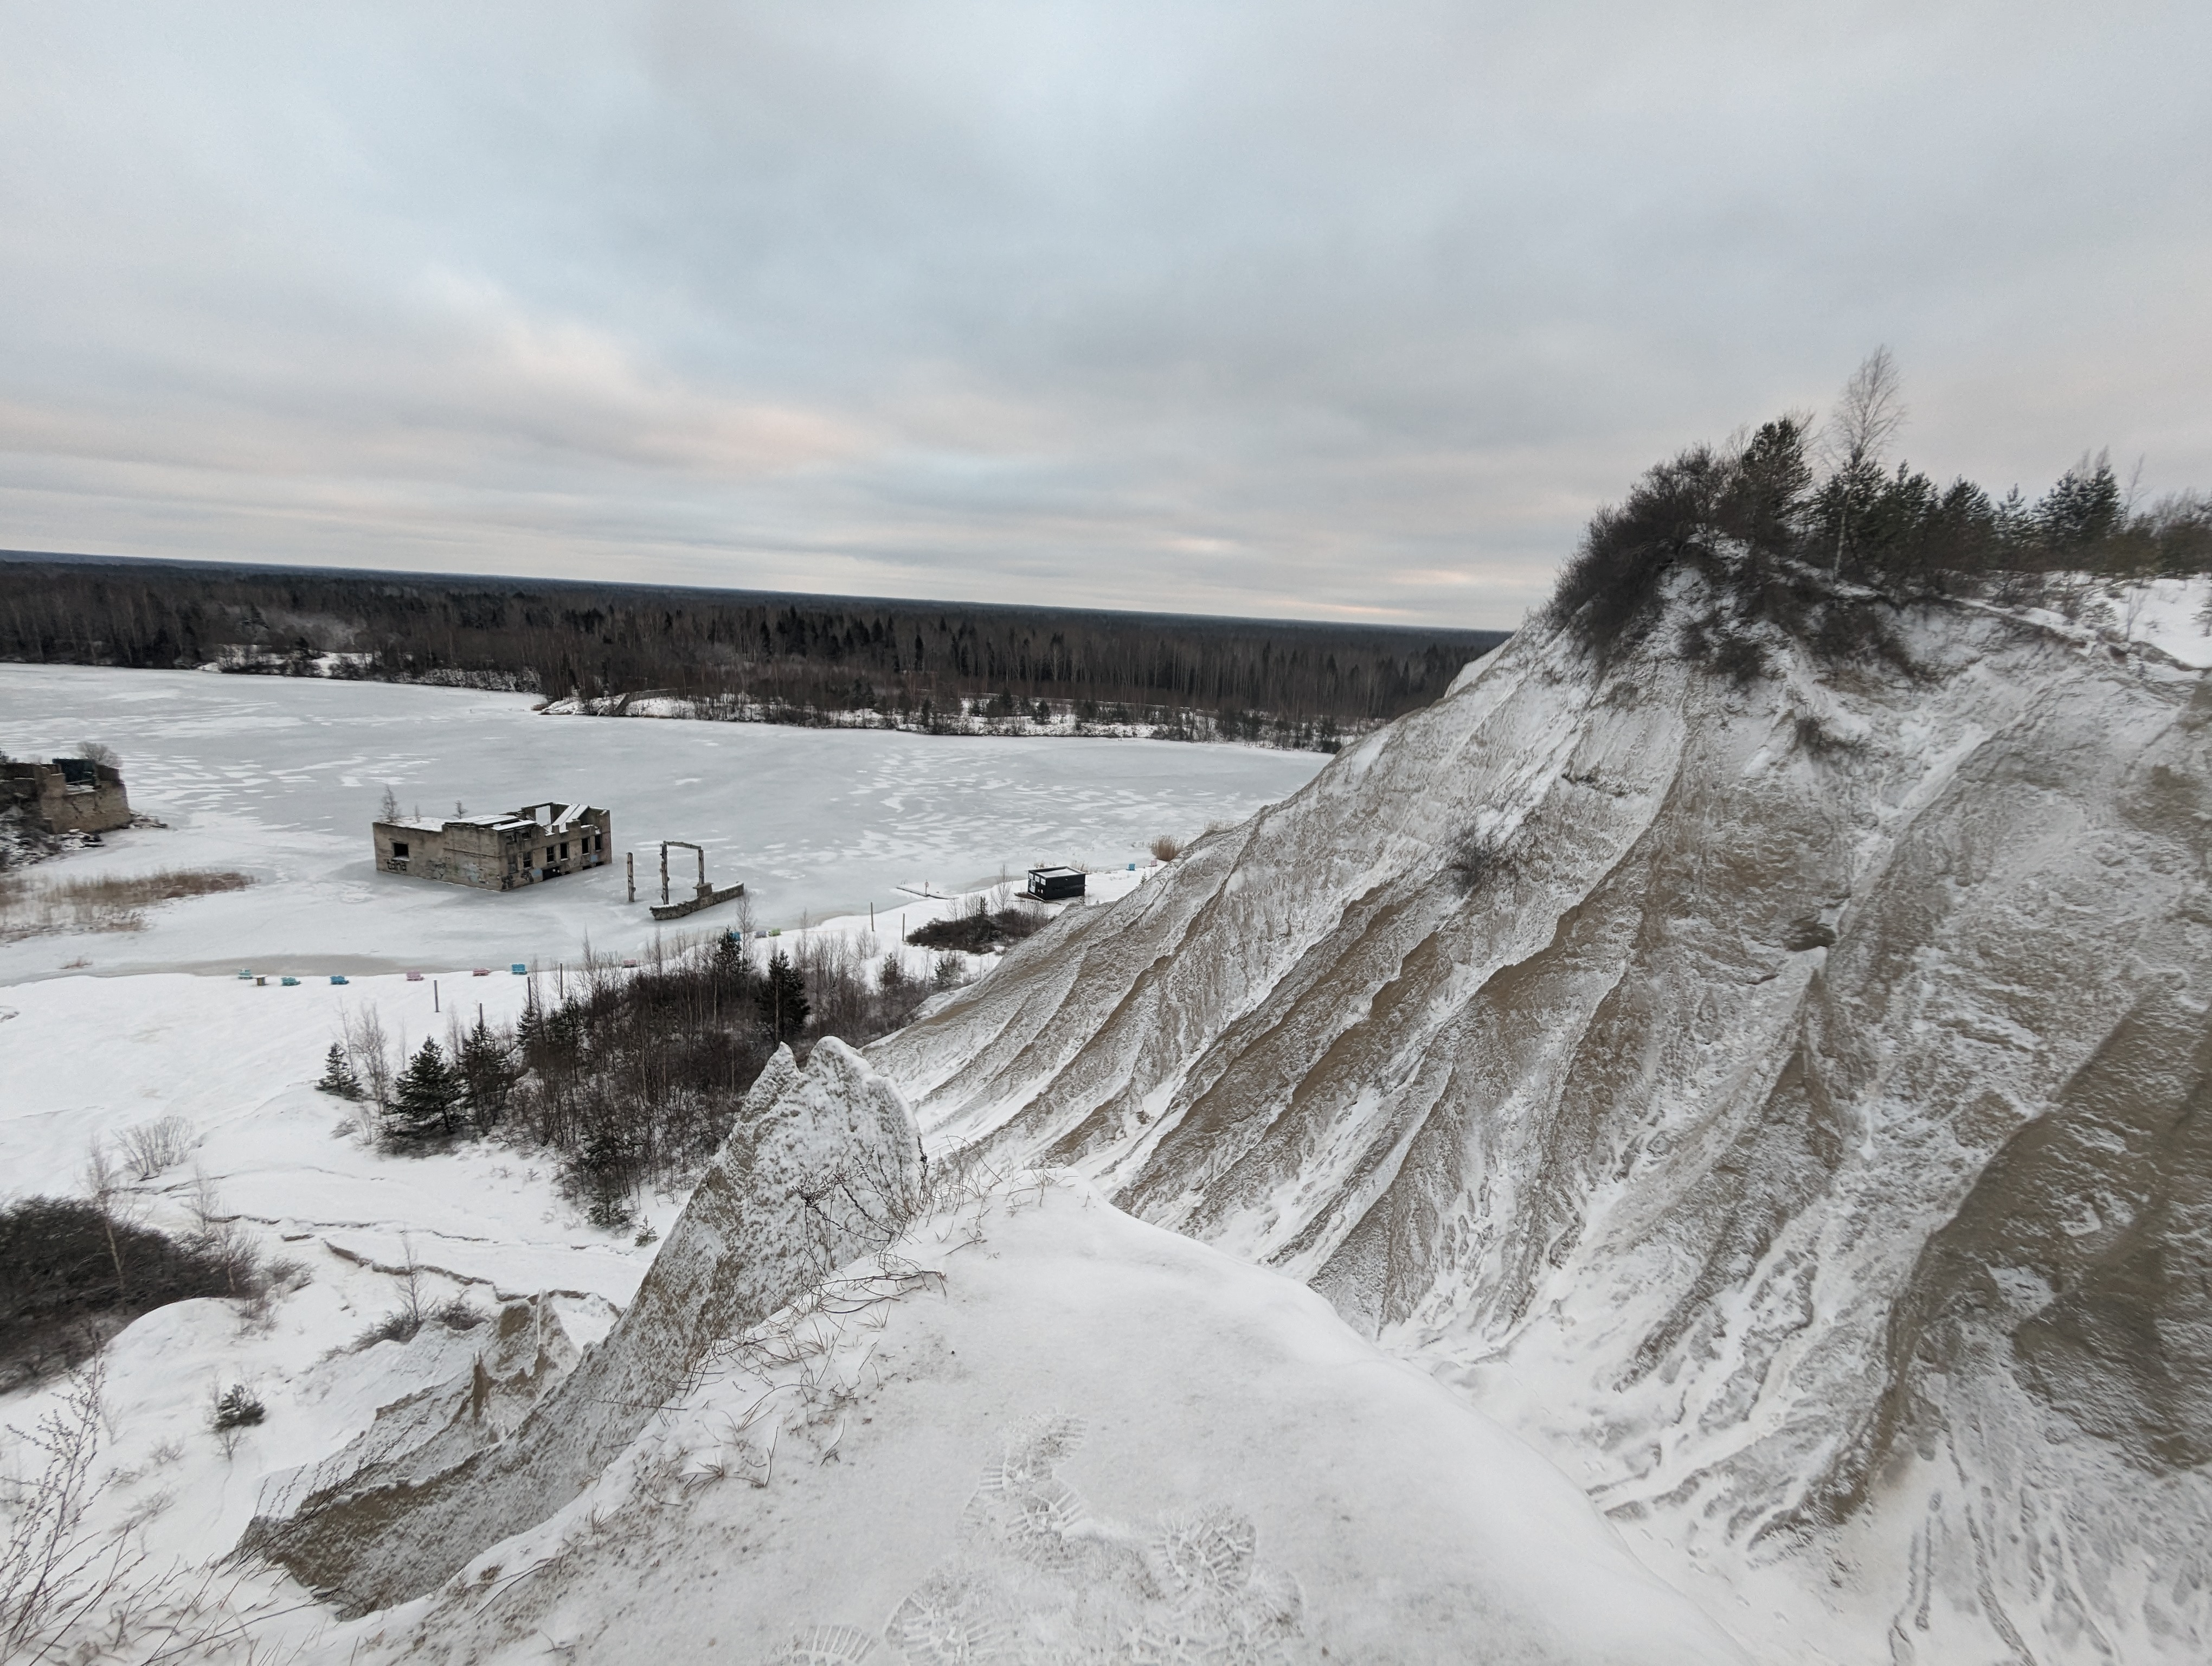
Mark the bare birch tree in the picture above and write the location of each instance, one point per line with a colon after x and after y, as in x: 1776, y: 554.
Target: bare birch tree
x: 1866, y: 419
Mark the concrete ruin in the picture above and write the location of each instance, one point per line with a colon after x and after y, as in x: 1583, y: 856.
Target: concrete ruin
x: 67, y: 795
x: 504, y: 851
x: 703, y: 896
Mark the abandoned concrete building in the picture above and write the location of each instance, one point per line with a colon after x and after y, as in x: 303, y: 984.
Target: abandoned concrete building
x: 69, y: 796
x: 502, y: 852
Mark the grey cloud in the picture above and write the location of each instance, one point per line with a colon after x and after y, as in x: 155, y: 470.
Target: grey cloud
x: 1280, y: 308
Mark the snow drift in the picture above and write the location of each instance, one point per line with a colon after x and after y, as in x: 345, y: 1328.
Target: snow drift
x: 1787, y: 1101
x: 821, y: 1165
x: 1050, y: 1433
x: 968, y: 1419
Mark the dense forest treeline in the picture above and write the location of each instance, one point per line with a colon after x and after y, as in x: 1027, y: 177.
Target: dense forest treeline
x: 769, y: 654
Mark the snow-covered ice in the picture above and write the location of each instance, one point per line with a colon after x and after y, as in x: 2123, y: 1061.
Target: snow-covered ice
x: 282, y: 776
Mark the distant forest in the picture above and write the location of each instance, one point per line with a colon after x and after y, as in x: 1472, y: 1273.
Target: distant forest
x: 781, y: 658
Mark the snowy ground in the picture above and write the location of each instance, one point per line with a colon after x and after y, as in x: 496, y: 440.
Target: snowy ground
x: 1224, y: 1422
x: 1061, y: 1435
x: 82, y: 1060
x: 2173, y: 616
x: 1363, y: 1507
x: 279, y: 778
x: 282, y: 776
x: 269, y: 776
x: 1228, y: 1418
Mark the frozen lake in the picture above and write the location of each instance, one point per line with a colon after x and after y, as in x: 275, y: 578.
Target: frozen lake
x: 282, y: 776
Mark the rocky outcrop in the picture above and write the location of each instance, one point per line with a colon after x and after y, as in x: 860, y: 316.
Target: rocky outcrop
x: 821, y: 1165
x: 484, y: 1381
x: 1784, y: 1100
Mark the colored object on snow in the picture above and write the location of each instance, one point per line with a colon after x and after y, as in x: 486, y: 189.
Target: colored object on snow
x: 288, y: 980
x: 481, y: 971
x: 518, y: 968
x: 414, y: 977
x: 337, y: 977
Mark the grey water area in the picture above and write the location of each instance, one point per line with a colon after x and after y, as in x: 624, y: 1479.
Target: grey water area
x: 280, y: 778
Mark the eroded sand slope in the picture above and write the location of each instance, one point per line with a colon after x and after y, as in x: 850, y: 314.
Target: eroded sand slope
x: 1785, y: 1102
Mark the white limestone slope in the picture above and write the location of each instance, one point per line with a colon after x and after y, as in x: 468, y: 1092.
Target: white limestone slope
x: 1786, y: 1102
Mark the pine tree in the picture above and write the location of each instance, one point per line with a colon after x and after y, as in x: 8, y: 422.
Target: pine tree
x: 2083, y: 508
x: 730, y: 958
x: 487, y: 1075
x: 606, y: 1167
x: 338, y: 1076
x: 782, y: 999
x: 424, y: 1099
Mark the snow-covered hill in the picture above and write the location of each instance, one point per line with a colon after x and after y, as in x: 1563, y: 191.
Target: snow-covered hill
x: 1018, y: 1427
x: 1790, y: 1104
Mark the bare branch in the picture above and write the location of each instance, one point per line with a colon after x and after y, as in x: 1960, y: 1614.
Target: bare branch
x: 1867, y: 416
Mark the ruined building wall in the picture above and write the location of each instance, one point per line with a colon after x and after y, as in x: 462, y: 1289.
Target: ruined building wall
x: 493, y: 852
x: 69, y: 796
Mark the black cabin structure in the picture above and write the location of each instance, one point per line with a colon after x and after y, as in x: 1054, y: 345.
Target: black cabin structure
x: 1055, y: 885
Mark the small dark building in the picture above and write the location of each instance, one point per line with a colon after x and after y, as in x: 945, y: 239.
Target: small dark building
x: 1055, y: 885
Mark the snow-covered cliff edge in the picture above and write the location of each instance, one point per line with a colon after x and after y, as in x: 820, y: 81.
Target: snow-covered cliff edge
x: 1785, y: 1101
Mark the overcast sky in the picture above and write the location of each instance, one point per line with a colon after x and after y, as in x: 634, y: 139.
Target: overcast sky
x: 1269, y: 309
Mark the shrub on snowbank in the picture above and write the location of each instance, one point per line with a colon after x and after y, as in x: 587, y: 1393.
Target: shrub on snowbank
x: 634, y: 1075
x: 980, y: 930
x: 73, y: 1272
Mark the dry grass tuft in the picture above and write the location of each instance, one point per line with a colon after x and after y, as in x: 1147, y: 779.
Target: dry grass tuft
x: 1166, y: 849
x: 109, y: 903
